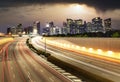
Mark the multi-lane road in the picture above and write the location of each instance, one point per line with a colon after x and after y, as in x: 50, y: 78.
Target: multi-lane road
x: 96, y: 65
x: 19, y: 64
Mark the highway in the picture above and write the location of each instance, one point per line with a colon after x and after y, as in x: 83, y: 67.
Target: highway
x: 98, y: 66
x: 19, y: 64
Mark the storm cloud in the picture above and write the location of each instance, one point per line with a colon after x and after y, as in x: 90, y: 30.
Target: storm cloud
x: 102, y: 5
x: 13, y: 12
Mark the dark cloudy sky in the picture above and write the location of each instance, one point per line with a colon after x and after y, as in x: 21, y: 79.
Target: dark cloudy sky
x: 26, y: 12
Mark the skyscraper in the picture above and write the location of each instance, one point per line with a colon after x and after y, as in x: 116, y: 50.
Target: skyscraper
x: 79, y: 26
x: 107, y: 24
x: 89, y: 27
x: 28, y: 30
x: 13, y: 30
x: 69, y: 26
x: 36, y: 28
x: 97, y: 25
x: 75, y: 26
x: 19, y: 29
x: 8, y: 30
x: 64, y: 29
x: 52, y: 28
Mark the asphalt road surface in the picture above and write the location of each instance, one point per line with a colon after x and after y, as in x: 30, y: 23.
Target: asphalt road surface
x: 19, y: 64
x: 101, y: 67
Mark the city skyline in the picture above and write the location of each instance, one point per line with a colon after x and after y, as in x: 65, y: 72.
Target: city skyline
x: 59, y: 40
x: 71, y: 26
x: 26, y: 12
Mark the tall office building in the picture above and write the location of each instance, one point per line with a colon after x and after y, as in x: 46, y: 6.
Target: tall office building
x: 49, y: 29
x: 89, y: 27
x: 36, y: 28
x: 52, y: 28
x: 46, y: 31
x: 70, y: 25
x: 58, y: 30
x: 51, y: 24
x: 13, y: 30
x: 97, y: 25
x: 64, y: 29
x: 79, y: 26
x: 76, y: 26
x: 16, y: 30
x: 19, y: 29
x: 8, y: 30
x: 28, y: 30
x: 35, y: 31
x: 79, y: 22
x: 107, y: 24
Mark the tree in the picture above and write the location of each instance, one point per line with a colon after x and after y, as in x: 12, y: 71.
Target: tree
x: 116, y: 34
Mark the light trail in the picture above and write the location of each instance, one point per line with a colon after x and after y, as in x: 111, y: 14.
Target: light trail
x: 5, y: 40
x: 89, y: 65
x: 93, y: 64
x: 101, y: 52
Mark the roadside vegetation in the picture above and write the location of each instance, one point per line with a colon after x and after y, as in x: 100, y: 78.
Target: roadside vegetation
x: 39, y: 52
x: 108, y: 34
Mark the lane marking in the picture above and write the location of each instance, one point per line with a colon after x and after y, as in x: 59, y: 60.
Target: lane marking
x: 72, y: 77
x: 87, y: 64
x: 77, y: 80
x: 28, y: 73
x: 41, y: 70
x: 51, y: 79
x: 12, y: 68
x: 13, y: 75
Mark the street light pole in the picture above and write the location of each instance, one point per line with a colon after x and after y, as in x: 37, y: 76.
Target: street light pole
x: 45, y: 45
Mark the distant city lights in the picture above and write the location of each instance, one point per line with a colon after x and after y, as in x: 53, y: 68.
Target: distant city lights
x: 47, y: 25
